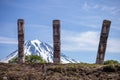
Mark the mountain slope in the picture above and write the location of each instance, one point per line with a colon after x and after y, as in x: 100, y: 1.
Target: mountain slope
x: 36, y: 47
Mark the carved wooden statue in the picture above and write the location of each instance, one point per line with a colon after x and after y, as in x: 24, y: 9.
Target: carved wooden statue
x: 20, y: 41
x: 103, y: 42
x: 56, y: 41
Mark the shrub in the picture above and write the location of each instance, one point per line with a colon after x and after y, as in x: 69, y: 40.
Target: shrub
x: 34, y: 59
x: 14, y: 60
x: 109, y: 68
x: 111, y: 62
x: 29, y: 59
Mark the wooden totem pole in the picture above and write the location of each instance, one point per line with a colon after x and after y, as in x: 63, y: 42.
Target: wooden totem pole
x: 20, y: 40
x: 103, y: 42
x: 56, y: 41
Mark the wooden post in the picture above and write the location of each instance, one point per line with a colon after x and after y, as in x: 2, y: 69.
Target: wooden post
x: 56, y: 41
x: 20, y: 40
x: 103, y: 42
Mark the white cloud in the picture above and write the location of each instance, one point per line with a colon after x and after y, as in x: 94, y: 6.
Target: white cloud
x: 85, y: 6
x: 7, y: 40
x: 110, y: 9
x: 88, y: 21
x: 73, y: 41
x: 38, y: 26
x: 95, y: 6
x: 86, y: 41
x: 102, y: 7
x: 88, y: 6
x: 113, y: 45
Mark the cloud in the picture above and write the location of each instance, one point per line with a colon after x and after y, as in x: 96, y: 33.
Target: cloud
x: 89, y: 6
x: 73, y: 41
x: 86, y: 41
x: 111, y: 9
x: 113, y: 45
x: 38, y: 26
x: 7, y: 40
x: 86, y: 22
x: 85, y: 6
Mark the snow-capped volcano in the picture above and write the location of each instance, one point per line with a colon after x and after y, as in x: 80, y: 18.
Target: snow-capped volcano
x: 36, y: 47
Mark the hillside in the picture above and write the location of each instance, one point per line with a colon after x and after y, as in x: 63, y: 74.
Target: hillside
x: 51, y: 71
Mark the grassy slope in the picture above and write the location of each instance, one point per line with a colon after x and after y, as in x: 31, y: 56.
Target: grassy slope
x: 59, y: 72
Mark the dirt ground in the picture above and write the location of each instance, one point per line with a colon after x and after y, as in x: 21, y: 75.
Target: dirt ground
x: 49, y: 71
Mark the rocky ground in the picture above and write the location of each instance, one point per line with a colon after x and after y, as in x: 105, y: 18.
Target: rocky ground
x: 50, y: 71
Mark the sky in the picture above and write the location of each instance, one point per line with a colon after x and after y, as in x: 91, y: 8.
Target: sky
x: 81, y: 23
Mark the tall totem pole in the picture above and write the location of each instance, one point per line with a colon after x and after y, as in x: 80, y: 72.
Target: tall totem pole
x: 20, y: 40
x: 103, y: 42
x: 56, y: 41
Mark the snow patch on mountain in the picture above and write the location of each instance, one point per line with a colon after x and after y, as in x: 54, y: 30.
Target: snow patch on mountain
x: 36, y: 47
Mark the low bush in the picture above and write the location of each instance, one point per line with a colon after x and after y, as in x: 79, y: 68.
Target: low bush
x: 109, y: 68
x: 111, y: 62
x: 29, y: 59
